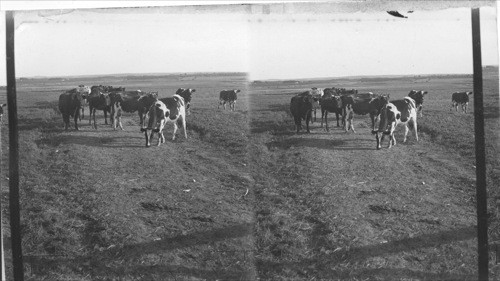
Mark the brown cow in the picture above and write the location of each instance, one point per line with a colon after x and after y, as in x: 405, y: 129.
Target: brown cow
x: 364, y: 104
x: 460, y: 98
x: 301, y: 107
x: 70, y: 105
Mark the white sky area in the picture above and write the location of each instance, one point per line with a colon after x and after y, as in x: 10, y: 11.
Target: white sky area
x: 267, y: 46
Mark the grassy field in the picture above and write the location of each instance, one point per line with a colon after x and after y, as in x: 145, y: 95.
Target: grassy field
x: 244, y: 197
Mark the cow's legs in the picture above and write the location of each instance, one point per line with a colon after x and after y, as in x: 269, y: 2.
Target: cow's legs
x: 66, y: 121
x: 377, y: 137
x: 297, y: 123
x: 77, y: 115
x: 337, y: 116
x: 93, y: 116
x: 175, y: 130
x: 117, y: 121
x: 183, y: 121
x: 326, y: 120
x: 149, y: 136
x: 308, y: 119
x: 161, y: 138
x: 406, y: 132
x: 90, y: 112
x: 415, y: 129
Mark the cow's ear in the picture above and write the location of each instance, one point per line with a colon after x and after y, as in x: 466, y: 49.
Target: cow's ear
x: 4, y: 104
x: 425, y: 93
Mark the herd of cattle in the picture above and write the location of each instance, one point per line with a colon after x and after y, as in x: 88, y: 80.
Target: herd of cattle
x: 303, y: 106
x: 115, y: 101
x: 346, y: 103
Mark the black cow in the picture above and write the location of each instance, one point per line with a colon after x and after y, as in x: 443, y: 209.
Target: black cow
x: 102, y: 101
x: 186, y: 95
x: 98, y: 102
x: 418, y: 97
x: 460, y: 98
x: 362, y: 106
x: 229, y: 97
x: 301, y: 107
x: 330, y: 103
x: 132, y: 101
x: 70, y: 105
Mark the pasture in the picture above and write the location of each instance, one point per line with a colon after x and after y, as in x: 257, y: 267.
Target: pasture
x: 244, y: 197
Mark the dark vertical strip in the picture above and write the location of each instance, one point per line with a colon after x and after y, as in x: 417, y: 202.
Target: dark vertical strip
x: 15, y: 220
x: 482, y: 220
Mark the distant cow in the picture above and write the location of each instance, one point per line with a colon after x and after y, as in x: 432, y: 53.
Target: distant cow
x: 364, y: 104
x: 395, y: 113
x: 301, y: 107
x: 346, y: 92
x: 330, y: 103
x: 418, y: 97
x: 229, y: 97
x: 186, y: 95
x: 70, y: 105
x: 460, y: 98
x: 163, y: 111
x: 132, y: 101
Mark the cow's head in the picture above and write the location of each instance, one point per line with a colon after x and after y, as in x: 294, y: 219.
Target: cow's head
x: 104, y: 99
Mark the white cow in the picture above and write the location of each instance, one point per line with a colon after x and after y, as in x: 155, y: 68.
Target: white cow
x: 395, y: 113
x: 163, y: 111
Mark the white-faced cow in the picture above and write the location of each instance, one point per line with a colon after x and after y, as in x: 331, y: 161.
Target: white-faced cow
x: 229, y: 97
x: 186, y: 94
x: 395, y: 113
x: 70, y: 105
x: 163, y: 111
x: 460, y: 98
x: 418, y: 97
x: 301, y: 107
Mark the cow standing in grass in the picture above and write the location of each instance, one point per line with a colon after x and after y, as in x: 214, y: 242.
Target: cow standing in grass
x: 132, y: 101
x: 395, y: 113
x: 460, y: 98
x: 363, y: 104
x: 229, y: 97
x: 301, y: 107
x: 70, y: 105
x: 164, y: 111
x: 330, y: 103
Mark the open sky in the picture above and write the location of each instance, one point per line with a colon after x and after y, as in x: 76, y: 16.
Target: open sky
x: 266, y: 44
